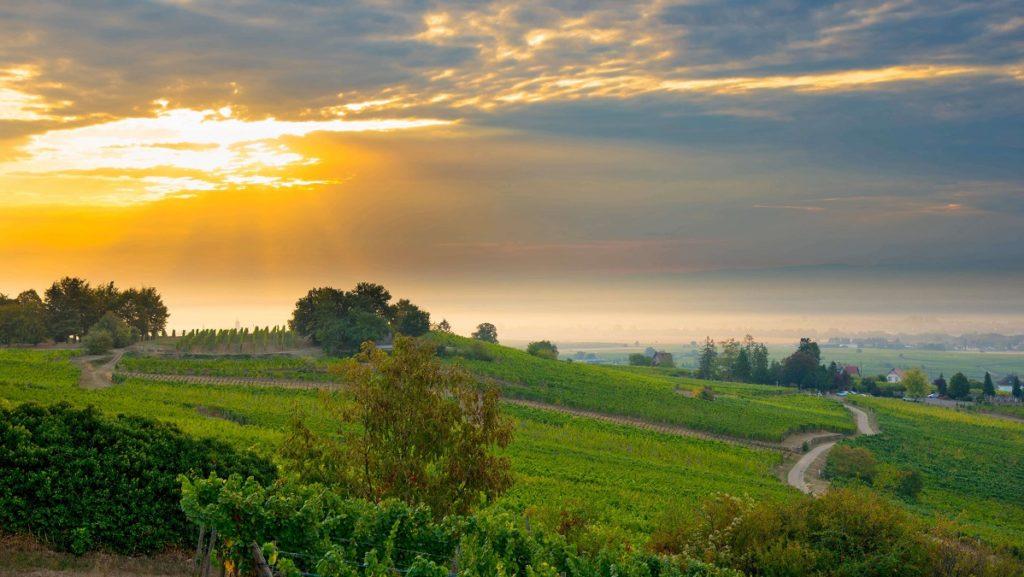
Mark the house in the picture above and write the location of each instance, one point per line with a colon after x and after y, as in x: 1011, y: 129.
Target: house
x: 662, y: 359
x: 851, y: 371
x: 894, y: 377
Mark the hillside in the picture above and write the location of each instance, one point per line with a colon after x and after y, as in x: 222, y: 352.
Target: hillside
x: 738, y: 410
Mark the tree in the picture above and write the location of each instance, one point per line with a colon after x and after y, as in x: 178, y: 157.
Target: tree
x: 741, y: 366
x: 543, y: 349
x: 988, y: 387
x: 119, y: 331
x: 408, y: 428
x: 940, y: 385
x: 70, y: 308
x: 759, y: 367
x: 98, y: 342
x: 443, y: 326
x: 706, y: 360
x: 1015, y: 389
x: 800, y: 369
x: 486, y: 332
x: 916, y: 383
x: 144, y: 311
x: 959, y: 387
x: 317, y: 308
x: 22, y: 320
x: 730, y: 349
x: 639, y: 360
x: 409, y: 320
x: 345, y: 334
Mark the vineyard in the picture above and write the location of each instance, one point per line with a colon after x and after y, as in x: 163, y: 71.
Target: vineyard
x: 263, y: 367
x: 973, y: 465
x: 739, y: 410
x: 238, y: 341
x: 615, y: 478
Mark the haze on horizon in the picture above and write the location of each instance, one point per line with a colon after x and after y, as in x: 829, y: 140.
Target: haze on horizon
x: 595, y: 171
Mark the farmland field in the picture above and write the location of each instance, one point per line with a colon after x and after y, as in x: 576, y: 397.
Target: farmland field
x: 275, y: 367
x: 740, y: 410
x: 618, y: 478
x: 973, y: 465
x: 870, y: 360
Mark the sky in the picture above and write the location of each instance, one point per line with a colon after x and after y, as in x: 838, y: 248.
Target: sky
x: 564, y: 169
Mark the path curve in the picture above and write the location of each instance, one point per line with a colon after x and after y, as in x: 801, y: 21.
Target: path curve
x: 813, y: 460
x: 97, y: 377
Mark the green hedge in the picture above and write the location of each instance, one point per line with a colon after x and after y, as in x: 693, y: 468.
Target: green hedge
x: 79, y: 480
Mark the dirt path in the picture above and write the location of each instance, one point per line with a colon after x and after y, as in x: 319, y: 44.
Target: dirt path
x: 97, y: 377
x: 793, y: 443
x: 806, y: 472
x: 246, y: 381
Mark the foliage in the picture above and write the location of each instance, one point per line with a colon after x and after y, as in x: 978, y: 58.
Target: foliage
x: 23, y: 319
x: 845, y: 462
x: 844, y: 533
x: 81, y: 481
x: 940, y: 385
x: 238, y: 341
x: 409, y: 320
x: 73, y: 306
x: 916, y: 383
x: 543, y: 349
x: 707, y: 363
x: 260, y: 367
x: 424, y: 433
x: 486, y: 332
x: 120, y: 332
x: 98, y: 341
x: 988, y: 388
x: 310, y: 529
x: 959, y: 387
x: 639, y: 360
x: 340, y: 321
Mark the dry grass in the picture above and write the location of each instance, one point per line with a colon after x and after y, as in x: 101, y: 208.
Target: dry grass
x: 23, y: 556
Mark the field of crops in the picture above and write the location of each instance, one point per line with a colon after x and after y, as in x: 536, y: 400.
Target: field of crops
x: 739, y: 410
x: 617, y: 478
x: 973, y: 465
x: 271, y: 367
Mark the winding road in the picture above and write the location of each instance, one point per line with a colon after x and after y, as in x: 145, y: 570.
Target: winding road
x: 797, y: 476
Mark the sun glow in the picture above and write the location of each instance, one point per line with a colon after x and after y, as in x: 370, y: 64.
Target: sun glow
x: 180, y: 151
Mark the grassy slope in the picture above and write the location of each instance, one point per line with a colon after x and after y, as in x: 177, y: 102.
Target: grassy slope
x: 973, y: 465
x: 618, y: 477
x: 748, y: 411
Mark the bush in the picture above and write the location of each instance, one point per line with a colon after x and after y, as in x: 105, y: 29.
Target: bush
x: 98, y: 342
x: 543, y: 349
x: 119, y: 330
x: 850, y: 463
x: 78, y: 480
x: 903, y: 483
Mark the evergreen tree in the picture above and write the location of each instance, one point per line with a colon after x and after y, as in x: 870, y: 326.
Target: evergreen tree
x: 707, y: 360
x: 959, y: 387
x: 940, y: 385
x: 988, y: 388
x: 741, y: 369
x: 1015, y: 387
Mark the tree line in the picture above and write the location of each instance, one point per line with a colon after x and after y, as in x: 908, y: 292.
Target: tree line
x: 71, y: 307
x: 340, y: 321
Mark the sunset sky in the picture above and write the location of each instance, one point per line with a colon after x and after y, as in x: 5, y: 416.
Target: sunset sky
x: 575, y: 170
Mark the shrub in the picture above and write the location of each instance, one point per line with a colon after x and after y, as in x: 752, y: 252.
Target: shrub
x: 846, y: 463
x: 903, y: 483
x: 78, y: 480
x: 98, y: 342
x: 543, y: 349
x: 120, y: 332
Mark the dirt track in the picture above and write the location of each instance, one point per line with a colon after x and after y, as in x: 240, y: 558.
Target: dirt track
x: 814, y: 460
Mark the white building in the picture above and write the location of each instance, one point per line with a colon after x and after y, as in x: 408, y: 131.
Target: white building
x: 894, y: 377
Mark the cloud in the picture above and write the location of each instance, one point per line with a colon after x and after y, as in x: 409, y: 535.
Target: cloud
x: 213, y: 149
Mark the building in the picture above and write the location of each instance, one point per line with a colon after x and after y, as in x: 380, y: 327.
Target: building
x: 663, y: 359
x: 894, y: 377
x: 851, y: 371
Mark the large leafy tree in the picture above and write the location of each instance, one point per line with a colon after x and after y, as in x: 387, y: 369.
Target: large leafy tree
x: 410, y: 428
x: 543, y: 349
x: 70, y: 308
x: 23, y: 319
x: 408, y: 319
x: 144, y: 311
x: 916, y: 383
x: 486, y: 332
x: 959, y: 386
x: 802, y: 367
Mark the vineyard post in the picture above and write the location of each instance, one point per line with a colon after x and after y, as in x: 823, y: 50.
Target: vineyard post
x: 199, y: 549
